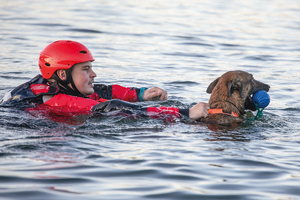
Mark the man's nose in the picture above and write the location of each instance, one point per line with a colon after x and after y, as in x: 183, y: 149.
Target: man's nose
x: 93, y: 74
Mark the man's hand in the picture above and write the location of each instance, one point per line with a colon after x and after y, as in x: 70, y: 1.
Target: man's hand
x: 155, y: 93
x: 199, y: 110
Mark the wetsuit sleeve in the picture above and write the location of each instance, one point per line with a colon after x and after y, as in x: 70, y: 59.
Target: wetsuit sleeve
x: 125, y: 93
x: 153, y: 112
x: 69, y: 106
x: 130, y: 94
x: 166, y: 112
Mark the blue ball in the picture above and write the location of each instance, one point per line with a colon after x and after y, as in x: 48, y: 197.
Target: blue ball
x: 262, y: 99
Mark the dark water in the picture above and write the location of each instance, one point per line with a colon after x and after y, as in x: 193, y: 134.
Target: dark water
x: 180, y: 46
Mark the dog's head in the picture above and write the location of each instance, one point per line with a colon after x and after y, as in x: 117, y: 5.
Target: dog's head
x: 235, y: 87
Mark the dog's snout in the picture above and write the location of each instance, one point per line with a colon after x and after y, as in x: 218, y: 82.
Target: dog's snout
x: 259, y: 86
x: 263, y: 86
x: 267, y: 87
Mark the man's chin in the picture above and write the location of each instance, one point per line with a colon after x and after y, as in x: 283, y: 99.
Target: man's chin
x: 89, y: 93
x: 92, y: 92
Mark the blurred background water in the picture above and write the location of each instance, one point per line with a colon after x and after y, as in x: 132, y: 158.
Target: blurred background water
x: 180, y: 46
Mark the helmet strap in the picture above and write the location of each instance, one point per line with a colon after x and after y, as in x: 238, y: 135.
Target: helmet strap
x: 65, y: 84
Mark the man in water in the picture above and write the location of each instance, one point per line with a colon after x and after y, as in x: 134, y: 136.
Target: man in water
x: 66, y: 86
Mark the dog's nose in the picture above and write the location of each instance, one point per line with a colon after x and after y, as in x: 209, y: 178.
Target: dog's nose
x: 267, y: 87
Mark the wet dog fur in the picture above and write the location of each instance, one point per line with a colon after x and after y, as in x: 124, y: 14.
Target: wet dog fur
x: 232, y: 93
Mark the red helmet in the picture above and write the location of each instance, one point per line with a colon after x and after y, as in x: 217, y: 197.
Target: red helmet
x: 62, y: 54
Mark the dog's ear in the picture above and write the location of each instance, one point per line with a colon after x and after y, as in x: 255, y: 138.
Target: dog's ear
x: 212, y: 86
x: 235, y: 85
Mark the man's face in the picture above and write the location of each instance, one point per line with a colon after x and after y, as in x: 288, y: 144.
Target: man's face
x: 83, y: 77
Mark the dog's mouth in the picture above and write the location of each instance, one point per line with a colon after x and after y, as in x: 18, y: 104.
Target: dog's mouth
x: 258, y: 86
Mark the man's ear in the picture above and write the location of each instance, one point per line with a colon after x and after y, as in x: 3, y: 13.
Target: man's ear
x: 211, y: 86
x: 61, y: 73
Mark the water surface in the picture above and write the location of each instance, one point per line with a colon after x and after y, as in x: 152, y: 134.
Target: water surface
x: 180, y: 46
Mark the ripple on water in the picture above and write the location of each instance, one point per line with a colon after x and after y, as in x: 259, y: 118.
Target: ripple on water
x: 181, y: 47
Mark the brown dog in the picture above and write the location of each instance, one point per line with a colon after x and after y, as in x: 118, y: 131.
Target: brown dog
x: 231, y: 96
